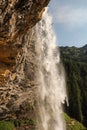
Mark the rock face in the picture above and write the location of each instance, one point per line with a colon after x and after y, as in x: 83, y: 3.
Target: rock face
x: 18, y: 55
x: 16, y: 17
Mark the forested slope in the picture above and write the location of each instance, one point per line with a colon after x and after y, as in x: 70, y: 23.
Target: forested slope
x: 75, y: 63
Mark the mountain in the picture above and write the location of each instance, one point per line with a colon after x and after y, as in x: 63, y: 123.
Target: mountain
x: 85, y: 46
x: 74, y: 53
x: 75, y: 63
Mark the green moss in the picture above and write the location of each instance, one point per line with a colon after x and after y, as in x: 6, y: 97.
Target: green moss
x: 6, y: 125
x: 19, y: 123
x: 11, y: 125
x: 72, y: 124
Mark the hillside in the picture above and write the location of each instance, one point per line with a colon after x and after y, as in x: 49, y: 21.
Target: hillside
x: 75, y: 63
x: 74, y: 53
x: 72, y: 124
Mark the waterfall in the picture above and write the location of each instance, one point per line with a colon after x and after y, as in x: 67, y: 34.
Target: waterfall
x: 40, y: 52
x: 51, y: 90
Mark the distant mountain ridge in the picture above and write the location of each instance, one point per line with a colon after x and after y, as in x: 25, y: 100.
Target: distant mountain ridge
x: 75, y: 53
x: 85, y: 46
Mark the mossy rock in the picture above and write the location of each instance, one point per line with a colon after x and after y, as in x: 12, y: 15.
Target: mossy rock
x: 19, y: 123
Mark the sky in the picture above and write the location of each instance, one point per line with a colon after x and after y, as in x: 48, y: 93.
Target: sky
x: 69, y: 21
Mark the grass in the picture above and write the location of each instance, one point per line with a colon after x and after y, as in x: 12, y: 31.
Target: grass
x: 6, y: 125
x: 18, y: 123
x: 11, y: 125
x: 72, y: 124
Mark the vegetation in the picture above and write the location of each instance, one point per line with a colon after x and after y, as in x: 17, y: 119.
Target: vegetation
x: 72, y: 124
x: 75, y: 62
x: 74, y: 53
x: 17, y: 124
x: 6, y: 125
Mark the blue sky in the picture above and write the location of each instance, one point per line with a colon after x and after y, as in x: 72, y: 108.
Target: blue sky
x: 70, y: 21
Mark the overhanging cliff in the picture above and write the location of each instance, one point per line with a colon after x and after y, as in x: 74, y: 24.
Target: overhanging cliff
x: 18, y: 56
x: 16, y: 18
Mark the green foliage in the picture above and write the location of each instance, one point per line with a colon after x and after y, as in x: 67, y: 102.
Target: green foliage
x: 21, y: 122
x: 17, y: 123
x: 75, y: 62
x: 6, y: 125
x: 74, y: 53
x: 74, y: 90
x: 72, y: 124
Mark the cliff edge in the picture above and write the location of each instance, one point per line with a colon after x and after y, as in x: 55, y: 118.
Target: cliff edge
x: 18, y: 55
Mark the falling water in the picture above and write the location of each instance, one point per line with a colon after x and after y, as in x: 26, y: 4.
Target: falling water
x: 52, y: 91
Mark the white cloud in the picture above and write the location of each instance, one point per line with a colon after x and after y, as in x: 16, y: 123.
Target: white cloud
x: 70, y: 17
